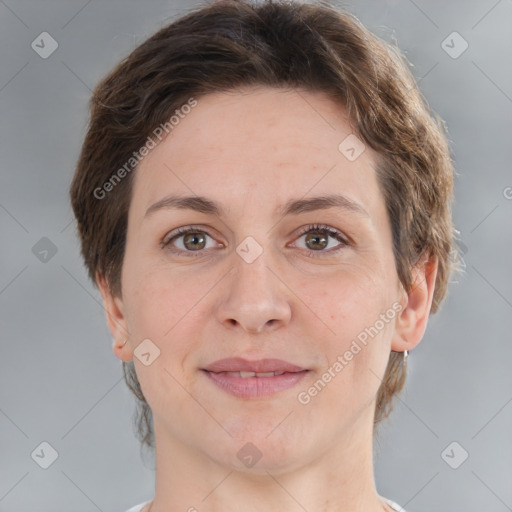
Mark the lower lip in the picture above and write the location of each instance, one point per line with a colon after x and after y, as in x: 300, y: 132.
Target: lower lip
x: 255, y: 387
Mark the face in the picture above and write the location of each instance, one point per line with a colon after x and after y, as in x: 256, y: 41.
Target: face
x: 273, y: 274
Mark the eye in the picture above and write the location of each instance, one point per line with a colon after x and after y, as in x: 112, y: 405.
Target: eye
x: 191, y: 239
x: 317, y: 240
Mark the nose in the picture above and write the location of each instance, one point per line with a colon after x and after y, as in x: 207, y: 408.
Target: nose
x: 255, y: 299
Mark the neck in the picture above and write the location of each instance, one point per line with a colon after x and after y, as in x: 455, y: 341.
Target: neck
x: 335, y: 479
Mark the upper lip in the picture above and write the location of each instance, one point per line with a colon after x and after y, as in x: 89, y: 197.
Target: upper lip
x: 239, y: 364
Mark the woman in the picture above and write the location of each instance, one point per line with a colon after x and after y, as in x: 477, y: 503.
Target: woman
x: 264, y: 201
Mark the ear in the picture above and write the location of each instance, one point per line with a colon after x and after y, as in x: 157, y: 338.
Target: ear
x: 412, y: 321
x: 114, y: 311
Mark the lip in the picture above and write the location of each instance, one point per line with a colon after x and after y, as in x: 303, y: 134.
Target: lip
x: 225, y: 374
x: 255, y: 387
x: 239, y: 364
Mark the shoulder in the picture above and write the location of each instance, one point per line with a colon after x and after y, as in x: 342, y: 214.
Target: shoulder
x: 139, y: 507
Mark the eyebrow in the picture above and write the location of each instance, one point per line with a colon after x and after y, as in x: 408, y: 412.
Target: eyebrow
x: 293, y: 207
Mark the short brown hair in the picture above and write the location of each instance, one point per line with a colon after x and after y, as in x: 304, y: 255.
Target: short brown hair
x: 231, y: 44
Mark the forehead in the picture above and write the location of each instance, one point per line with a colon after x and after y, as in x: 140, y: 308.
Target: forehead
x: 258, y: 146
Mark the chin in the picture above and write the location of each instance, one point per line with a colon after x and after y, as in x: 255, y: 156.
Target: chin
x: 258, y: 453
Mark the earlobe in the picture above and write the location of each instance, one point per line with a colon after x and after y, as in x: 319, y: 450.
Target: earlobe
x: 114, y: 312
x: 122, y: 350
x: 412, y: 321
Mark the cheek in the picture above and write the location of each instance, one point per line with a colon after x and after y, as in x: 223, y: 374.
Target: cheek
x: 162, y: 310
x: 168, y: 309
x: 355, y: 356
x: 155, y: 296
x: 349, y: 298
x: 354, y: 307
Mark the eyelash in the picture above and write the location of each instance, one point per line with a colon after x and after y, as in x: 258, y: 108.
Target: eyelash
x: 318, y: 228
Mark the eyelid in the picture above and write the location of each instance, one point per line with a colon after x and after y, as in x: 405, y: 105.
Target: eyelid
x: 324, y: 227
x: 182, y: 230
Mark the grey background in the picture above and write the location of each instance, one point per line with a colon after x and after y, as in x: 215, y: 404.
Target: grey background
x: 60, y: 382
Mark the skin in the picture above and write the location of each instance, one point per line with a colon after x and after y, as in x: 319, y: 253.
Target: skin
x: 251, y: 151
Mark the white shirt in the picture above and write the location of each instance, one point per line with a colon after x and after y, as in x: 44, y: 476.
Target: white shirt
x: 138, y: 508
x: 392, y: 504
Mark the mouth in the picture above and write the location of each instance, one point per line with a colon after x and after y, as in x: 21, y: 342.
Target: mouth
x: 248, y: 384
